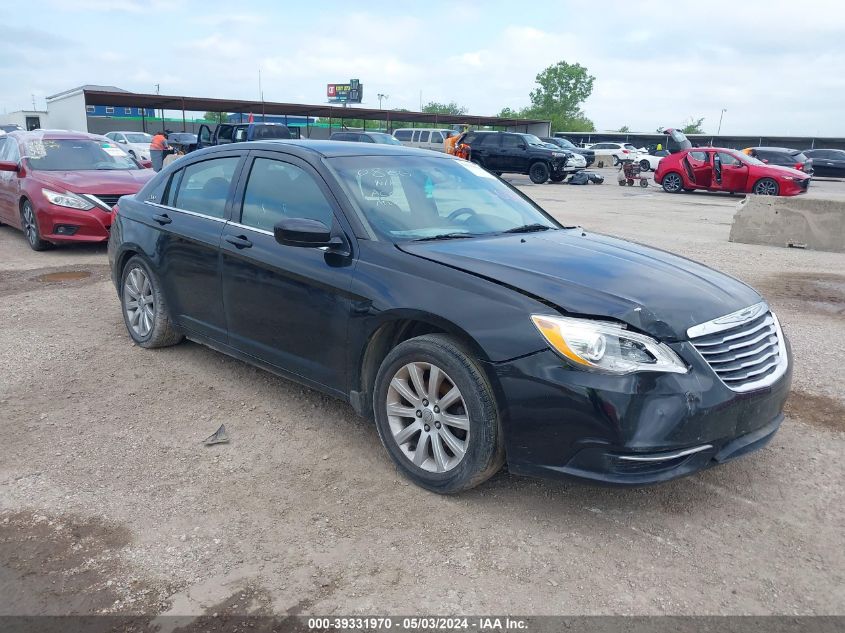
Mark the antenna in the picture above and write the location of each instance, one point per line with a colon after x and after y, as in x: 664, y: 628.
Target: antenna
x: 33, y: 102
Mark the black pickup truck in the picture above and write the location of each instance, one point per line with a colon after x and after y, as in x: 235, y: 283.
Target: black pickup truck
x: 240, y: 132
x: 513, y: 152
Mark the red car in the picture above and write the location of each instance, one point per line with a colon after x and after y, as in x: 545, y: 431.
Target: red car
x: 61, y: 186
x: 719, y: 169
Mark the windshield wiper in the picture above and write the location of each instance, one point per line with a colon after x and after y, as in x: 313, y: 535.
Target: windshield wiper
x: 528, y: 228
x: 444, y: 236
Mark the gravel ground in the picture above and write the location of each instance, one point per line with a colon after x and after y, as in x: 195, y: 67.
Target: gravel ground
x: 109, y: 502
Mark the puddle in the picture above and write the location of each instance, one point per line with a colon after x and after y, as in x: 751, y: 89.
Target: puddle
x: 821, y: 411
x: 64, y: 275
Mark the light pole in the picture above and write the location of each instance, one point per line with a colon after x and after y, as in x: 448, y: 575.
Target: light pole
x: 720, y: 121
x: 380, y: 97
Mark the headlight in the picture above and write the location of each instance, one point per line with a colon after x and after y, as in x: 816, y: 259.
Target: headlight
x: 69, y: 200
x: 558, y: 155
x: 606, y: 347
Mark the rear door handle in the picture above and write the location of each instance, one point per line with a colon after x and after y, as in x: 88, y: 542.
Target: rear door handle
x: 238, y: 241
x: 162, y: 218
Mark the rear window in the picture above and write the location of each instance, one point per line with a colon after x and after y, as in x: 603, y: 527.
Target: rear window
x: 424, y: 137
x: 270, y: 131
x: 402, y: 135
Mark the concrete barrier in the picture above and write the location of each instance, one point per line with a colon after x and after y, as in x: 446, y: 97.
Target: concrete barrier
x: 812, y: 223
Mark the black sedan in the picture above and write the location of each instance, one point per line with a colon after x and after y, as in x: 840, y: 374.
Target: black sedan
x: 444, y: 304
x: 829, y: 163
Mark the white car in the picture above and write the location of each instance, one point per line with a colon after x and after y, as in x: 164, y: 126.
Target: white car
x: 136, y: 144
x: 614, y: 152
x: 648, y: 162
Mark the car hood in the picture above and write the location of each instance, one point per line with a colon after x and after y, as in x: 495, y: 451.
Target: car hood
x: 589, y: 274
x: 789, y: 171
x: 119, y: 181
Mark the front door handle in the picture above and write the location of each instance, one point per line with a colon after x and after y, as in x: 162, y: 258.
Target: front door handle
x: 238, y: 241
x: 162, y: 218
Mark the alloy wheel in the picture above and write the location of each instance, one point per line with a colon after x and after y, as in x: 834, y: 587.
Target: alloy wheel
x: 428, y: 417
x: 29, y: 227
x: 766, y: 187
x: 672, y: 183
x: 139, y: 302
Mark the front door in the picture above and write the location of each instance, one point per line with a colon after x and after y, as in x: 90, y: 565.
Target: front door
x: 514, y: 154
x: 286, y: 305
x: 10, y: 183
x: 698, y: 168
x: 204, y: 138
x: 729, y: 172
x: 190, y: 222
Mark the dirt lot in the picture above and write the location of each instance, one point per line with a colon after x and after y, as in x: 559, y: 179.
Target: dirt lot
x: 109, y: 502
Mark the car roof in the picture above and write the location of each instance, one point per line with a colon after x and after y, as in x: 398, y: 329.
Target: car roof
x: 327, y: 149
x: 54, y: 134
x: 783, y: 150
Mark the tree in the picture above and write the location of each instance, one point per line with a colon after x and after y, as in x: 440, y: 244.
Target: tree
x: 562, y: 89
x: 693, y: 126
x: 216, y: 117
x: 624, y: 129
x: 432, y: 107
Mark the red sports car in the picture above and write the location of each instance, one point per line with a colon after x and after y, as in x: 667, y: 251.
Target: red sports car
x: 719, y: 169
x: 61, y: 186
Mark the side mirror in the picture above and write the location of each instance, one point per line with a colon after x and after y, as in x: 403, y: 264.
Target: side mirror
x: 304, y: 232
x: 765, y: 160
x: 6, y: 165
x: 122, y: 140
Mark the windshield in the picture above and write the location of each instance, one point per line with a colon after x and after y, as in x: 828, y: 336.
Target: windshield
x: 385, y: 139
x: 139, y: 138
x: 532, y: 140
x: 76, y: 155
x: 411, y: 197
x: 565, y: 143
x: 746, y: 158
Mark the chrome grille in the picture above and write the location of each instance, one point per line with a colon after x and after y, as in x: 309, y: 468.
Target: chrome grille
x: 107, y: 199
x: 745, y: 348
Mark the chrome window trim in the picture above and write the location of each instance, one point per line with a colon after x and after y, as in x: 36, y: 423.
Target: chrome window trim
x: 252, y: 228
x: 194, y: 213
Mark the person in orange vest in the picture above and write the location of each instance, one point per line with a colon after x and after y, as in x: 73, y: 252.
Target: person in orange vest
x: 158, y: 147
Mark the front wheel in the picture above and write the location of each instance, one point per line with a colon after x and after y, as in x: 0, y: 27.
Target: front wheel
x: 539, y: 173
x: 645, y: 165
x: 766, y: 187
x: 145, y: 311
x: 436, y: 415
x: 29, y: 224
x: 672, y: 182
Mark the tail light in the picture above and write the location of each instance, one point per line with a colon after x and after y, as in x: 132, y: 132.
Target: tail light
x: 799, y: 166
x: 625, y: 151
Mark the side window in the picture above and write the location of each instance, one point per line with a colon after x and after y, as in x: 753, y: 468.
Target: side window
x: 424, y: 137
x: 240, y: 134
x: 436, y: 137
x: 224, y: 133
x: 402, y: 135
x: 277, y: 190
x: 110, y: 135
x: 205, y: 135
x: 489, y: 140
x: 471, y: 138
x: 700, y: 156
x: 511, y: 141
x: 416, y: 136
x: 204, y: 187
x: 9, y: 150
x: 728, y: 159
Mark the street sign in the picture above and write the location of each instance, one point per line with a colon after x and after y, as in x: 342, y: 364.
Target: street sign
x: 352, y: 92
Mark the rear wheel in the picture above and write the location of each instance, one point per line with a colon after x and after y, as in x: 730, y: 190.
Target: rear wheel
x: 144, y: 308
x: 766, y: 187
x: 29, y: 224
x: 436, y: 415
x: 645, y: 165
x: 539, y: 173
x: 672, y: 182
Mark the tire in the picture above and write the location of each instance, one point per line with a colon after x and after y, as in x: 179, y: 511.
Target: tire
x: 673, y: 182
x: 766, y: 187
x: 557, y: 177
x: 539, y: 172
x: 477, y: 431
x: 154, y: 327
x: 643, y: 183
x: 621, y: 183
x: 29, y: 225
x: 616, y: 161
x: 645, y: 165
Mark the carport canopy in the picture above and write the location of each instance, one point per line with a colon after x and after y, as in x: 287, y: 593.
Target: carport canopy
x: 202, y: 104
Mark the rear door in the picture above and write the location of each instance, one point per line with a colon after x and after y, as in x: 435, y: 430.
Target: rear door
x: 285, y: 305
x: 698, y: 168
x: 485, y: 148
x: 190, y: 221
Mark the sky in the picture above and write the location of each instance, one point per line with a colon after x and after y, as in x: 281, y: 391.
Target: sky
x: 776, y: 67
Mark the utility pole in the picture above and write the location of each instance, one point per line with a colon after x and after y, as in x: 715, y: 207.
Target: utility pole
x: 33, y: 102
x: 720, y: 121
x: 380, y: 97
